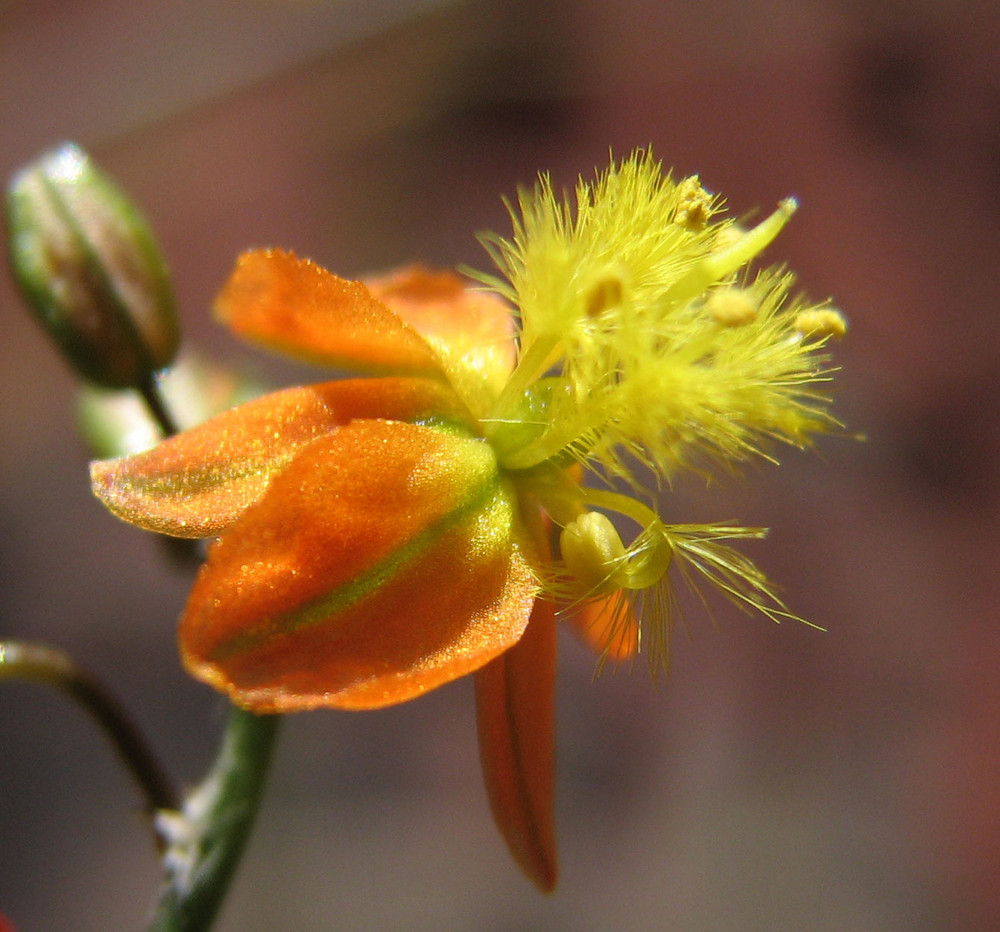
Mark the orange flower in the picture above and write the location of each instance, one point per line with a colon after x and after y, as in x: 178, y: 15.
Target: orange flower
x: 382, y: 536
x: 370, y: 547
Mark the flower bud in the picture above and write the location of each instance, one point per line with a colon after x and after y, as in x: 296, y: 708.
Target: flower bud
x: 88, y: 265
x: 593, y: 552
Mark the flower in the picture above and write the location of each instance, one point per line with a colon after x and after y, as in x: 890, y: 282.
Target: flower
x: 384, y: 535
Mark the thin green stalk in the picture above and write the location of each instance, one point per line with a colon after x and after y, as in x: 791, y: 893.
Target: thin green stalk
x: 20, y: 660
x: 205, y: 839
x: 153, y: 397
x: 206, y: 835
x: 536, y: 359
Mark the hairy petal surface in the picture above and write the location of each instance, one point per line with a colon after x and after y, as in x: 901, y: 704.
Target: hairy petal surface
x: 298, y: 308
x: 198, y: 483
x: 383, y: 562
x: 515, y: 712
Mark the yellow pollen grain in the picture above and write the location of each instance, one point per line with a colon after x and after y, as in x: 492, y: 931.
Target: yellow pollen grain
x: 731, y: 307
x: 694, y: 204
x: 821, y: 322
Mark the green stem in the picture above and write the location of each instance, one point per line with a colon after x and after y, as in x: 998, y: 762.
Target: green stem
x: 205, y: 839
x: 20, y: 660
x: 153, y: 397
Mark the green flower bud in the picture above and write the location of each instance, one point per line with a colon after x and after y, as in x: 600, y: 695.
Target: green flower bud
x: 88, y: 265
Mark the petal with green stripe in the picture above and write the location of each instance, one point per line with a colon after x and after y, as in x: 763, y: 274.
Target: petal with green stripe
x: 198, y: 483
x: 383, y: 562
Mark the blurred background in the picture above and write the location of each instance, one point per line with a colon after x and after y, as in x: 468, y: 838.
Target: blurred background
x: 782, y: 778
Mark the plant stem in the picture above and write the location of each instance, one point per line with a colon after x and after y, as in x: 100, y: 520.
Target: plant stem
x: 153, y: 397
x: 205, y: 839
x: 20, y: 660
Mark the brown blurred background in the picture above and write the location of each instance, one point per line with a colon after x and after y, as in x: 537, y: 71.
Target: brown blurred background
x: 782, y: 779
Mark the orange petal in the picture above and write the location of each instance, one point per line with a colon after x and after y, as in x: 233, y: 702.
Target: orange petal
x: 471, y: 329
x: 296, y: 307
x: 199, y: 482
x: 515, y: 715
x: 607, y: 625
x: 380, y: 564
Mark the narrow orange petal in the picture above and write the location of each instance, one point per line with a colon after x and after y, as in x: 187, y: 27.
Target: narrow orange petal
x: 380, y: 564
x: 516, y: 720
x: 198, y: 483
x: 468, y: 328
x: 607, y: 625
x: 296, y: 307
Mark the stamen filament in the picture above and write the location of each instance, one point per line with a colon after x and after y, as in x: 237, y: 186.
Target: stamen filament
x: 531, y: 366
x: 622, y: 504
x: 551, y: 443
x: 717, y: 266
